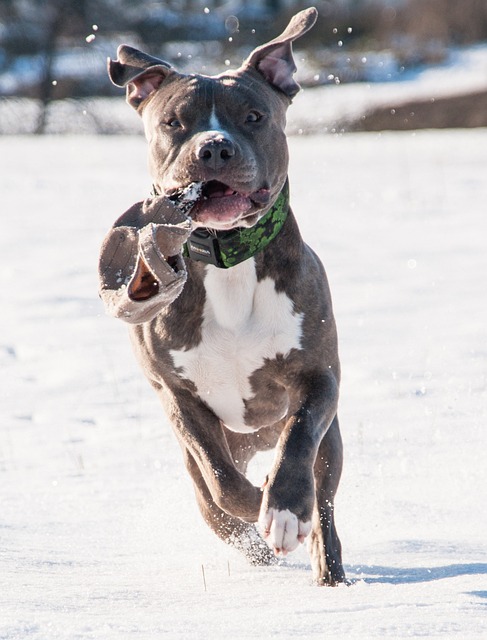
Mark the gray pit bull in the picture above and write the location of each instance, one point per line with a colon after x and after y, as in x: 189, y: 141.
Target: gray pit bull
x: 229, y: 310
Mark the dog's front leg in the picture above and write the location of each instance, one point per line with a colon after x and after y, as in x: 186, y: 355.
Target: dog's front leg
x: 289, y: 493
x: 201, y: 432
x: 241, y: 535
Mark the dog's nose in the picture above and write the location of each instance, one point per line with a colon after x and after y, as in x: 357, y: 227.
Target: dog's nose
x: 216, y: 152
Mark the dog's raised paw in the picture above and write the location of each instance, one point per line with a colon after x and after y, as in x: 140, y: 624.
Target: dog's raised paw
x: 282, y: 530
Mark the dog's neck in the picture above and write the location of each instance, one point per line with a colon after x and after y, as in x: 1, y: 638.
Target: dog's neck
x: 225, y: 249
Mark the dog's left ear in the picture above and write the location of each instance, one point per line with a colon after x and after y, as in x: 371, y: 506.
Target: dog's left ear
x: 141, y: 73
x: 275, y: 61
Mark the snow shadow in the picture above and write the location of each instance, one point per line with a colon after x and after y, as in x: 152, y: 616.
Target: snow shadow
x: 392, y: 575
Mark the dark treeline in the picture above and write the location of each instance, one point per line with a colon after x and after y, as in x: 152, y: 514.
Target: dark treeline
x: 55, y: 49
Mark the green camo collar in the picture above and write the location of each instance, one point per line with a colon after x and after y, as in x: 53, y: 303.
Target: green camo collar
x: 225, y: 249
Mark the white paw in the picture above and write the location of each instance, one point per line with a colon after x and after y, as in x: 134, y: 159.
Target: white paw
x: 282, y: 530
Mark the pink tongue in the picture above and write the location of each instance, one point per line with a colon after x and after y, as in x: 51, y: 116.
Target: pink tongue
x: 221, y: 193
x: 221, y: 208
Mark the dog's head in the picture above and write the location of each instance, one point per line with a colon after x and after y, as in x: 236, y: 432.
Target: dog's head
x: 224, y: 134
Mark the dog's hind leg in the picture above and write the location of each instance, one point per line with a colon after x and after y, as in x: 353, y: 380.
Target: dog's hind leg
x: 324, y: 544
x: 233, y: 531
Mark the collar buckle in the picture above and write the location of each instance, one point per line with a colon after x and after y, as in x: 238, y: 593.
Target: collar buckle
x: 204, y: 247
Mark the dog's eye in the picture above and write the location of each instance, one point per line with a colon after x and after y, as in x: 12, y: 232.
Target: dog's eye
x: 253, y: 116
x: 174, y: 123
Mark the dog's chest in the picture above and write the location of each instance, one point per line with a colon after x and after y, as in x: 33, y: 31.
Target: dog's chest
x: 245, y: 323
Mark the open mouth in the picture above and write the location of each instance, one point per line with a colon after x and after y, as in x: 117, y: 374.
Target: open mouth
x: 217, y: 205
x: 220, y: 206
x: 216, y: 189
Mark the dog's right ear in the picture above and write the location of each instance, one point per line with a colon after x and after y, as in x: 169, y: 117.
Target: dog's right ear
x: 141, y: 73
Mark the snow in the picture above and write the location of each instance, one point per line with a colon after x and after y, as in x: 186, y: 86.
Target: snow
x: 330, y: 107
x: 100, y: 537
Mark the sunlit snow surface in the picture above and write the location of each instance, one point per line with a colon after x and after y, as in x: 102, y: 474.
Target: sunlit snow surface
x: 329, y: 108
x: 100, y: 537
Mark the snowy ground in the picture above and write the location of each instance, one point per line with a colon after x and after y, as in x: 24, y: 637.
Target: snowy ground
x: 332, y: 107
x: 100, y: 537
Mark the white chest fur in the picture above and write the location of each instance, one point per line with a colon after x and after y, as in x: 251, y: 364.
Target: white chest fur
x: 245, y: 322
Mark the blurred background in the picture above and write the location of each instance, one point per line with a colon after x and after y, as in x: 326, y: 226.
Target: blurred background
x: 367, y: 65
